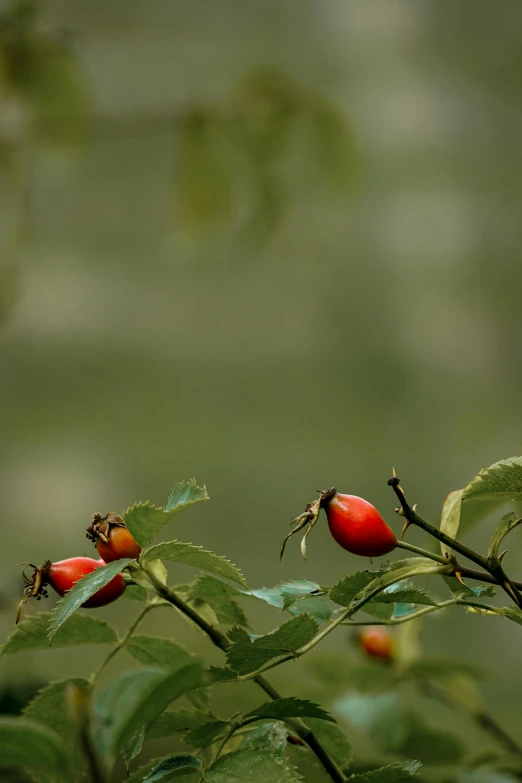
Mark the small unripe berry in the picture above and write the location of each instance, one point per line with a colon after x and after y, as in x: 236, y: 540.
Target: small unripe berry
x: 376, y: 641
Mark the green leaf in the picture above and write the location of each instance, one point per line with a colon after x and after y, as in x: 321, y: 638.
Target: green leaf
x: 290, y: 707
x: 204, y: 735
x: 196, y: 556
x: 378, y: 610
x: 145, y: 520
x: 135, y: 699
x: 49, y: 707
x: 296, y: 598
x: 400, y: 569
x: 506, y: 524
x: 136, y: 593
x: 333, y: 740
x: 221, y: 674
x: 467, y: 591
x: 410, y: 595
x: 249, y: 765
x: 28, y: 744
x: 294, y: 591
x: 173, y: 767
x: 381, y: 716
x: 31, y: 633
x: 82, y: 590
x: 344, y: 591
x: 268, y: 737
x: 154, y: 651
x: 400, y: 770
x: 246, y: 655
x: 450, y: 517
x: 221, y: 597
x: 316, y: 606
x: 501, y: 481
x: 172, y: 721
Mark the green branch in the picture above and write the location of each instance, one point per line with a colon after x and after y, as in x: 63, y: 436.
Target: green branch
x: 492, y: 565
x: 122, y: 643
x: 220, y: 640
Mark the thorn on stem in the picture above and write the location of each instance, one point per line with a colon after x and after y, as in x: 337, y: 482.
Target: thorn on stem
x: 501, y: 555
x: 458, y: 575
x: 405, y: 527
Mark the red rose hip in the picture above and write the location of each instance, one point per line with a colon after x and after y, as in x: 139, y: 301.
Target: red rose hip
x: 357, y: 526
x: 112, y: 538
x: 63, y: 575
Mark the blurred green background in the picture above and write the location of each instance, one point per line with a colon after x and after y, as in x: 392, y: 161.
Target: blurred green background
x: 272, y: 245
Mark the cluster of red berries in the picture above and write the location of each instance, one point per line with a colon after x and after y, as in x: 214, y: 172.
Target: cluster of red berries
x: 113, y: 542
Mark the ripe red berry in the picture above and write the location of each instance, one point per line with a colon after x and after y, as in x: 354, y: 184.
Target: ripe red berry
x: 63, y: 575
x: 112, y: 538
x: 356, y: 525
x: 377, y: 642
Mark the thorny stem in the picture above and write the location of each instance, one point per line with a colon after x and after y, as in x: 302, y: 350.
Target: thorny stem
x: 220, y: 640
x: 491, y: 565
x: 121, y: 644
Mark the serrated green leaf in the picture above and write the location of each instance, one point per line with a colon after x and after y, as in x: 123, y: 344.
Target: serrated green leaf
x: 172, y: 721
x: 246, y: 655
x: 450, y: 517
x: 290, y: 707
x: 31, y: 633
x: 173, y: 767
x: 178, y: 552
x: 400, y: 770
x: 381, y: 716
x: 378, y: 610
x: 501, y: 481
x: 511, y: 612
x: 133, y: 747
x: 333, y: 740
x: 316, y: 606
x: 221, y: 674
x: 28, y: 744
x: 467, y: 591
x: 400, y: 569
x: 250, y: 765
x: 344, y: 591
x: 145, y: 520
x: 506, y: 524
x: 136, y: 593
x: 49, y: 708
x: 82, y: 590
x: 135, y: 699
x: 220, y: 596
x: 286, y: 597
x: 268, y: 737
x: 294, y: 591
x: 207, y: 733
x: 155, y: 651
x: 410, y: 595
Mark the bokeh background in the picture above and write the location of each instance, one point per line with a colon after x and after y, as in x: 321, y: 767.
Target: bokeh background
x: 272, y: 245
